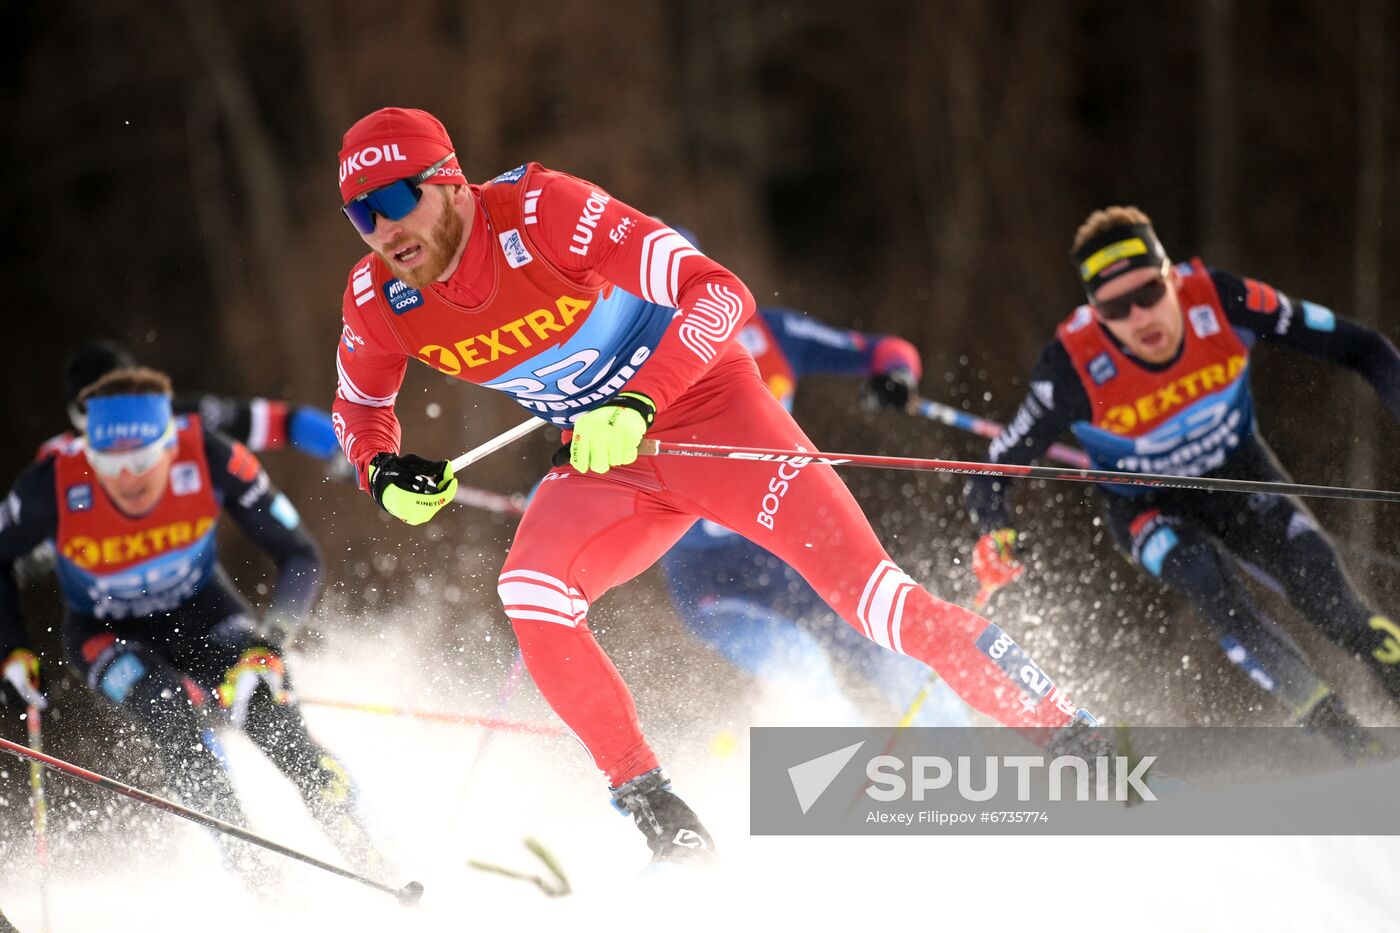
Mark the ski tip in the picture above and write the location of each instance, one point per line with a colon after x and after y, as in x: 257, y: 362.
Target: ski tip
x: 410, y: 894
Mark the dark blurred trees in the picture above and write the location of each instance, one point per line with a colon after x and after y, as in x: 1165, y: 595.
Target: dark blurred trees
x: 912, y: 167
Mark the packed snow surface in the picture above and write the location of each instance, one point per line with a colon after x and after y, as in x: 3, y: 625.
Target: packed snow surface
x: 434, y: 816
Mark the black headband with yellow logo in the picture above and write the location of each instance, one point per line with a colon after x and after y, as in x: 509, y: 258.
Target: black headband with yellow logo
x: 1115, y: 251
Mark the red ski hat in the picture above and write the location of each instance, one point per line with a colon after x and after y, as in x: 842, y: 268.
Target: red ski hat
x: 394, y: 143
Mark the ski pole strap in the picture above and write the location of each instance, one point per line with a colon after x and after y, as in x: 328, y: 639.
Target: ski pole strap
x: 651, y: 447
x: 638, y: 403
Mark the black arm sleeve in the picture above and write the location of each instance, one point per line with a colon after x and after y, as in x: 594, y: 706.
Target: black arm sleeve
x: 1056, y: 400
x: 1276, y: 318
x: 225, y: 415
x: 28, y: 517
x: 270, y: 521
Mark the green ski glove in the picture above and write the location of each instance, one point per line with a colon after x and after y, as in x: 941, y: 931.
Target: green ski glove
x: 410, y: 488
x: 609, y: 436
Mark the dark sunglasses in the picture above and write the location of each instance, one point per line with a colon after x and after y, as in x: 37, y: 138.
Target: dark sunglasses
x: 1144, y: 297
x: 394, y: 201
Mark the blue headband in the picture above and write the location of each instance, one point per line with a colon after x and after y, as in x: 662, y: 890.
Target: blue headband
x: 126, y: 422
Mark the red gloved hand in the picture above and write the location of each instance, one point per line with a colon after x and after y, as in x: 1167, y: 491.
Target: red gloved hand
x: 994, y: 562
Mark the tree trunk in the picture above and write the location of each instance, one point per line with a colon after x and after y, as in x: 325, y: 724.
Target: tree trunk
x: 1370, y: 191
x: 1216, y: 151
x: 274, y: 246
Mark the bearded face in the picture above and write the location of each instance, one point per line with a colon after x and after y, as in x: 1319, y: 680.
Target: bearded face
x: 419, y: 248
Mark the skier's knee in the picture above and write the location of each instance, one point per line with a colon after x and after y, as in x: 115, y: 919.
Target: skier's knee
x: 142, y: 684
x: 173, y: 708
x: 879, y: 614
x: 1191, y: 563
x: 1160, y: 546
x: 529, y: 596
x: 1320, y: 585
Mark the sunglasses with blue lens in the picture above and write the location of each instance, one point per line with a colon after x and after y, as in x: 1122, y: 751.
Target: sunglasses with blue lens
x: 394, y: 201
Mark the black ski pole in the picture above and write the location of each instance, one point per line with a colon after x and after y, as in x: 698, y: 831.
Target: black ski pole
x: 408, y: 895
x: 650, y: 447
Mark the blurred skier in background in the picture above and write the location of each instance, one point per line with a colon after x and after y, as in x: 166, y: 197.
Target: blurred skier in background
x: 152, y: 623
x: 1152, y: 375
x: 259, y: 424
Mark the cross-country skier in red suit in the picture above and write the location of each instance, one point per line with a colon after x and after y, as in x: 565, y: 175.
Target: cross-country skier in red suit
x: 605, y: 322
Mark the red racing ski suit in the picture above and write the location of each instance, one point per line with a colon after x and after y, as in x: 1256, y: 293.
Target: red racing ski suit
x: 565, y: 295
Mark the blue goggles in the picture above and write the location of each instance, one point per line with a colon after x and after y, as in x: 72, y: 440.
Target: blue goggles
x: 128, y: 432
x: 394, y: 201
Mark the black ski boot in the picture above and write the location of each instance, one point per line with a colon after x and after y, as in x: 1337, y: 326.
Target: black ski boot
x: 673, y: 831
